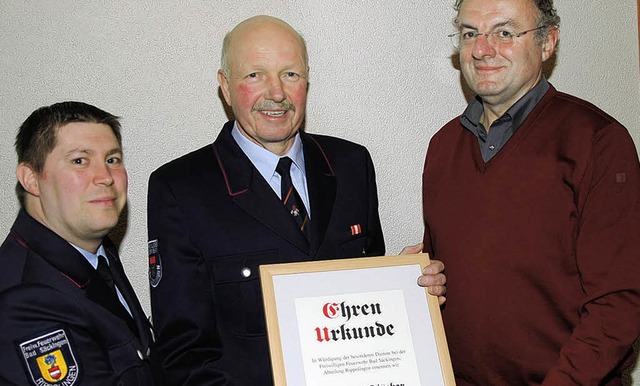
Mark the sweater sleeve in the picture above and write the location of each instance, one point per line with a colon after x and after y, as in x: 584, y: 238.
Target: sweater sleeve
x: 607, y: 257
x: 426, y: 238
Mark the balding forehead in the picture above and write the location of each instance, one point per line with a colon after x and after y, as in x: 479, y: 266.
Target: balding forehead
x: 263, y: 22
x: 264, y: 19
x: 254, y: 24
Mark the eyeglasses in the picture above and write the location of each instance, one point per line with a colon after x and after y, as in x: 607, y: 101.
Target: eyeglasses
x: 499, y: 36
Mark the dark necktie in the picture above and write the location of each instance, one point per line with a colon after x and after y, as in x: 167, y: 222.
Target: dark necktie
x: 105, y: 272
x: 290, y: 197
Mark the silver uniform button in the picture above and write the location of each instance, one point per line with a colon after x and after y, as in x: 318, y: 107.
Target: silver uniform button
x: 148, y: 351
x: 246, y: 272
x: 140, y: 355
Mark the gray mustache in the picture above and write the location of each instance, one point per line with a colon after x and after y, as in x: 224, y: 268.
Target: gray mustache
x: 270, y: 105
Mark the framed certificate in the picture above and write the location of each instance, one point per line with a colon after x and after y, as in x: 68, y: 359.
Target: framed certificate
x: 354, y: 322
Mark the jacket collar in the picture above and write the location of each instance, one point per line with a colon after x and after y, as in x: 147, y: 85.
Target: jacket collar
x: 67, y: 260
x: 252, y: 193
x: 54, y: 249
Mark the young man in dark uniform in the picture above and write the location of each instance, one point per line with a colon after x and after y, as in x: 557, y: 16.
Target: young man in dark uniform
x: 68, y: 314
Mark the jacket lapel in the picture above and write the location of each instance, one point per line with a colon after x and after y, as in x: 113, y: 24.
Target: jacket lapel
x: 99, y: 293
x: 321, y: 185
x: 59, y: 254
x: 139, y: 323
x: 251, y: 192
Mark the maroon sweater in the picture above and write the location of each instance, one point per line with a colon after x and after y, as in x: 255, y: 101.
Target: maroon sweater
x: 541, y: 247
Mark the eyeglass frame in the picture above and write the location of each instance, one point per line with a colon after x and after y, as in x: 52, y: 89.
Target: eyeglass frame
x: 489, y: 35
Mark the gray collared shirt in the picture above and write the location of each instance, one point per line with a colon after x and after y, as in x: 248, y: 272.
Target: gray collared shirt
x: 505, y: 126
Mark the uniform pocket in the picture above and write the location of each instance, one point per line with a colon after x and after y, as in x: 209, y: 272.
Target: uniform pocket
x: 237, y: 292
x: 356, y: 246
x: 129, y: 362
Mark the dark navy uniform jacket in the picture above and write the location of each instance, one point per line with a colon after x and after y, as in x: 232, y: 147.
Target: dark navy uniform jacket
x: 59, y: 322
x: 213, y: 219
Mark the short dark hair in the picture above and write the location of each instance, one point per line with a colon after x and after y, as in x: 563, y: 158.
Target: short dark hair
x: 547, y: 16
x: 36, y: 136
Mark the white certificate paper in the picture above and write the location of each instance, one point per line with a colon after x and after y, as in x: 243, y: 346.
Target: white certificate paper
x: 354, y: 322
x: 360, y: 339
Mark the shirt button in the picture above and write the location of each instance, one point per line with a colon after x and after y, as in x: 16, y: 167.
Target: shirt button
x: 492, y: 147
x: 246, y: 272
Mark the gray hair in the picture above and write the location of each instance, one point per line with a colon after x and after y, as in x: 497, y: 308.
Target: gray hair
x: 547, y: 16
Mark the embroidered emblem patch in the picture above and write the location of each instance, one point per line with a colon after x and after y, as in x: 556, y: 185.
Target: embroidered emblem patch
x: 356, y: 229
x: 50, y: 359
x: 155, y: 264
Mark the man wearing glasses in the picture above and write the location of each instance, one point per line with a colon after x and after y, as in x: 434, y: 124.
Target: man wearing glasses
x: 535, y: 194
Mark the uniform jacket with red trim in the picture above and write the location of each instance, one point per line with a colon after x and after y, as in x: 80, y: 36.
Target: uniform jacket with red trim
x: 213, y: 219
x: 59, y: 322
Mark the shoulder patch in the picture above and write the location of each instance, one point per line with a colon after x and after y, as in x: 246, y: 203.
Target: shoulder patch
x: 155, y: 264
x: 49, y: 359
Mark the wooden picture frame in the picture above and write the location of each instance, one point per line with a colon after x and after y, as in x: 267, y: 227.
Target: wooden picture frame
x: 355, y: 322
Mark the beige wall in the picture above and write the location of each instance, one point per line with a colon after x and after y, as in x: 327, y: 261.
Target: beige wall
x: 381, y: 76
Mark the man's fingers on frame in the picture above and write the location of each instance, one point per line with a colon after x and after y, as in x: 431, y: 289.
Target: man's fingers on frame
x: 434, y: 267
x: 432, y: 280
x: 438, y: 290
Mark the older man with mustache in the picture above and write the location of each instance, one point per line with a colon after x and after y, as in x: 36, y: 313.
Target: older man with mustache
x: 264, y: 192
